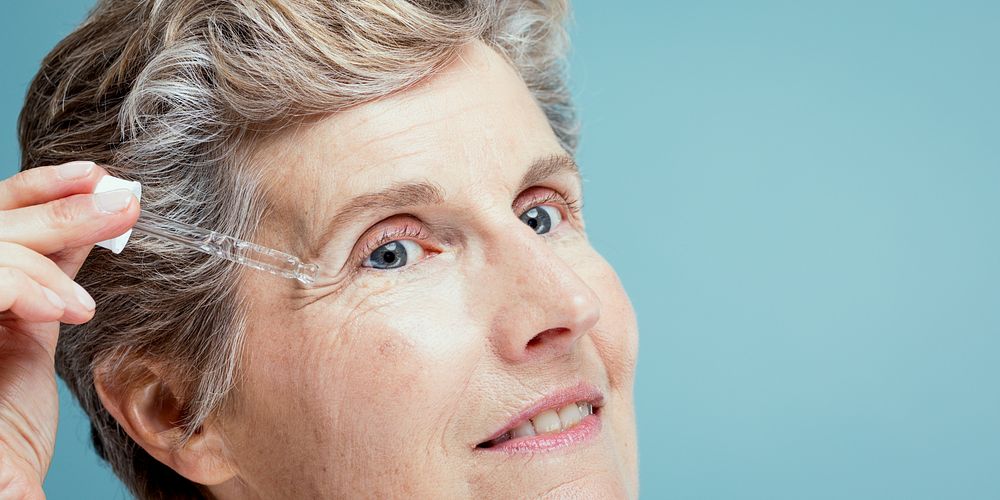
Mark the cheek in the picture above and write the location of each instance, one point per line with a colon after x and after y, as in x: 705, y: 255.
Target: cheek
x: 381, y: 378
x: 616, y: 338
x: 616, y: 334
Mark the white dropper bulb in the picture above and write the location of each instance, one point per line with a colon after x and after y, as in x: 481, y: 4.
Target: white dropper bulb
x: 111, y: 183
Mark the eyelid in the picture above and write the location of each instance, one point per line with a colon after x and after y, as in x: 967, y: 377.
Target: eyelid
x: 400, y: 231
x: 573, y: 206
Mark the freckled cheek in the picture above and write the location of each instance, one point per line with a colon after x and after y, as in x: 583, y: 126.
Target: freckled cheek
x: 616, y: 334
x: 394, y: 370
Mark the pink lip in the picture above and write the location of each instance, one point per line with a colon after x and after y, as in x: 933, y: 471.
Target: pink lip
x: 587, y: 428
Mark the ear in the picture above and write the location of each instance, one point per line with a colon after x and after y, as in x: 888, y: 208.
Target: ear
x: 149, y: 409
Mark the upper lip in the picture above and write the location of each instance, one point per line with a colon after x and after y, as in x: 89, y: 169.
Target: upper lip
x: 582, y: 391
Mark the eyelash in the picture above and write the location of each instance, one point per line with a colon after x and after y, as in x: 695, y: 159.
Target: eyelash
x: 417, y: 232
x: 405, y: 232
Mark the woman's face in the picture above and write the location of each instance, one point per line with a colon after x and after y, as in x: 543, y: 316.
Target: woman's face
x: 461, y: 310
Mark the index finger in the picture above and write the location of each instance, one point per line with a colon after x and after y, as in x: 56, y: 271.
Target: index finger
x: 43, y: 184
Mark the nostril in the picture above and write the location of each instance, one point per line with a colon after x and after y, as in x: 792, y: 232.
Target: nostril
x: 546, y: 336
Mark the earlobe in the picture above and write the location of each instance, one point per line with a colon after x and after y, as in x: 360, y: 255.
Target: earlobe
x: 150, y: 411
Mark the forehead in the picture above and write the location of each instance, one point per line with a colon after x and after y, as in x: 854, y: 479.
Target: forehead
x: 473, y: 123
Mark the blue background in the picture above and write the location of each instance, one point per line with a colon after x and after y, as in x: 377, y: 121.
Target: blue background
x: 802, y: 200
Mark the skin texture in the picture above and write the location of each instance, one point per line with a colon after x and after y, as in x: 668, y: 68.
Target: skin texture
x: 380, y: 383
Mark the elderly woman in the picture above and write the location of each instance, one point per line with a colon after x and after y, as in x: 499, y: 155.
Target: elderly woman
x: 464, y: 340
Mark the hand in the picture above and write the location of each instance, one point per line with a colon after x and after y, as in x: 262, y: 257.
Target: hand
x: 49, y: 222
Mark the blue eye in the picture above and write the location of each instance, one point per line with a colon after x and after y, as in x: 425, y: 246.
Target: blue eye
x: 393, y: 254
x: 542, y: 218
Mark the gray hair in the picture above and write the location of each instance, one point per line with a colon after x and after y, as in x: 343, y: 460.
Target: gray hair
x: 175, y: 94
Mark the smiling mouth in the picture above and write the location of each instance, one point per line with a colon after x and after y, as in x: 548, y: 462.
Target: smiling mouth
x: 546, y: 422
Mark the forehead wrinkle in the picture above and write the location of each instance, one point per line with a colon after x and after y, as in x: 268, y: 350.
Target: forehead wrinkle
x: 376, y: 139
x: 411, y: 127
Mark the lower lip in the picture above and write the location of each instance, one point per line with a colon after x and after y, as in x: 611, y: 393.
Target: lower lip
x: 583, y: 431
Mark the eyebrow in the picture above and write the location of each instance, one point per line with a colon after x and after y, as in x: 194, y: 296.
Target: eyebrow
x: 414, y: 193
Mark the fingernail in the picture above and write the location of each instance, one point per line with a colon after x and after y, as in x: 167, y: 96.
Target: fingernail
x: 75, y: 170
x: 84, y: 298
x: 113, y: 201
x: 53, y: 298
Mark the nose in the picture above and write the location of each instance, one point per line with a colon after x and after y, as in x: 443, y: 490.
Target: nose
x: 543, y: 305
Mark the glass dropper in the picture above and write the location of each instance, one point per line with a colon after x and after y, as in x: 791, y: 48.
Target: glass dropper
x: 226, y: 247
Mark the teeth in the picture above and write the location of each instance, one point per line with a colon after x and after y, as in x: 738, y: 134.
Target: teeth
x: 546, y: 421
x: 569, y: 415
x: 525, y: 429
x: 550, y: 421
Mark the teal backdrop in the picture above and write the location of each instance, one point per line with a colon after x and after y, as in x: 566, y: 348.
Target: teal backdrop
x: 802, y: 200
